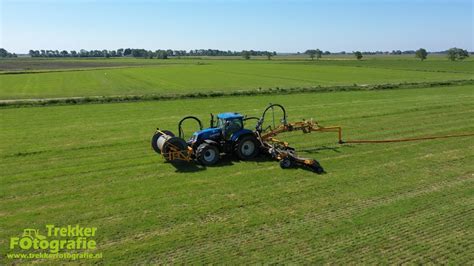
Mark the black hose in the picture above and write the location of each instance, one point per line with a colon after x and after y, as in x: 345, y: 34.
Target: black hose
x: 262, y: 118
x: 180, y: 128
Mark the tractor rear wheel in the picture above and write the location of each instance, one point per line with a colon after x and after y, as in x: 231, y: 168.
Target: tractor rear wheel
x: 207, y: 154
x: 247, y: 147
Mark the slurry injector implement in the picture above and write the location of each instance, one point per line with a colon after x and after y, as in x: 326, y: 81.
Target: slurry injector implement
x: 228, y: 135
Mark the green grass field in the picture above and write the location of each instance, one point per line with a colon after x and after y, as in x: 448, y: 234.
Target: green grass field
x: 112, y: 77
x: 380, y: 203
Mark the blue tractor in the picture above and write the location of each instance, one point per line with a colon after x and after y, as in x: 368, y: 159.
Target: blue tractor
x: 227, y: 135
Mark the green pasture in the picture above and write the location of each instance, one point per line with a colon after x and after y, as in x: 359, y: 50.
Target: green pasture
x: 112, y: 77
x: 377, y: 204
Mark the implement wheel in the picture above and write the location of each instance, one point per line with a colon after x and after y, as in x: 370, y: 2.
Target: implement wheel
x: 286, y: 163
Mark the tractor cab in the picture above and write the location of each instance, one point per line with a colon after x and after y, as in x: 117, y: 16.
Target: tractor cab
x: 228, y: 127
x: 229, y: 123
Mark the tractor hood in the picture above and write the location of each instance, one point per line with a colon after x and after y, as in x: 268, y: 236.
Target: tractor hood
x: 207, y: 133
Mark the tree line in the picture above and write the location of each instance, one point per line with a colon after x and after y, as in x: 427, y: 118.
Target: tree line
x: 161, y: 54
x: 318, y: 53
x: 453, y: 54
x: 5, y: 53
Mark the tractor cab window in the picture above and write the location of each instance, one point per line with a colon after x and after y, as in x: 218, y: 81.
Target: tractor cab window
x: 221, y: 124
x: 230, y: 126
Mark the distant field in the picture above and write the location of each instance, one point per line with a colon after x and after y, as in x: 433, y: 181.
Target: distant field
x: 17, y: 65
x: 105, y: 77
x: 378, y: 204
x: 407, y: 64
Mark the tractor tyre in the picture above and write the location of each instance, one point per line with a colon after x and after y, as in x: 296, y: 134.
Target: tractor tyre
x: 247, y: 148
x: 156, y: 136
x: 286, y: 163
x: 207, y: 154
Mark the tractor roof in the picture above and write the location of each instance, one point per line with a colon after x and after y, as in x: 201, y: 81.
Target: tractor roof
x: 229, y: 115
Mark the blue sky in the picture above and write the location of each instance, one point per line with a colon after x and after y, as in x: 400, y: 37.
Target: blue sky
x: 279, y: 25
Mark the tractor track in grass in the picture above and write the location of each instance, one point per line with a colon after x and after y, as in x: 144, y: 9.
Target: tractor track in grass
x: 279, y: 229
x: 343, y: 210
x: 220, y: 214
x: 180, y: 254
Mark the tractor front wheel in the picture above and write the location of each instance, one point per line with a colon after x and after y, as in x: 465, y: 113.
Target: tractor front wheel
x: 207, y: 154
x: 247, y: 147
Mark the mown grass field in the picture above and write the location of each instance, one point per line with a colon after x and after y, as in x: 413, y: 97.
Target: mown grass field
x: 381, y: 203
x: 112, y: 77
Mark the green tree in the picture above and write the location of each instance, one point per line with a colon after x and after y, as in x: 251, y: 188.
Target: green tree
x: 120, y: 52
x: 139, y: 53
x: 269, y: 55
x: 452, y: 54
x: 457, y: 54
x: 421, y: 53
x: 161, y: 54
x: 82, y: 53
x: 319, y: 54
x: 4, y: 53
x: 246, y: 55
x: 358, y: 55
x: 463, y: 54
x: 311, y: 53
